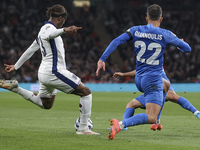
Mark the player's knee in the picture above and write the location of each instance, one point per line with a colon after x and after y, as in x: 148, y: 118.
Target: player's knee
x: 172, y: 96
x: 48, y: 102
x: 86, y: 91
x: 130, y: 105
x: 166, y: 85
x: 169, y: 96
x: 47, y: 106
x: 82, y: 90
x: 134, y: 104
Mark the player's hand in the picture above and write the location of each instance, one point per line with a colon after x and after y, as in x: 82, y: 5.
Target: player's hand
x: 118, y: 74
x: 182, y: 40
x: 9, y: 68
x: 100, y: 65
x: 72, y: 29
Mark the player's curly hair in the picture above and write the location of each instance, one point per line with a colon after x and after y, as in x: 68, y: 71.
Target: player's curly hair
x: 56, y: 11
x: 154, y: 12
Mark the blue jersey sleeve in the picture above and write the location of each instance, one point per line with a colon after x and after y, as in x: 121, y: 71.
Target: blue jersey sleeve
x: 171, y: 38
x: 113, y: 45
x: 184, y: 47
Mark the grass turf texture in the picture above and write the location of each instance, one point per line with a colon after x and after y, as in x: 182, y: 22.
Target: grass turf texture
x: 24, y: 126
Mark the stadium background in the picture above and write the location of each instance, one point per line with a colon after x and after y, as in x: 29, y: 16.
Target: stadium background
x: 102, y: 21
x: 23, y: 126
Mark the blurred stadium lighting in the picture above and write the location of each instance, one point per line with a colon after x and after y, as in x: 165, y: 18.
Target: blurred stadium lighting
x: 81, y: 3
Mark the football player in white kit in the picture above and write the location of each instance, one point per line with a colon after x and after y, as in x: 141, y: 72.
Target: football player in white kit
x: 52, y: 73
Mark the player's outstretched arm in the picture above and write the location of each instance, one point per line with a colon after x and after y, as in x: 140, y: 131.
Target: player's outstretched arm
x: 100, y: 65
x: 27, y: 54
x: 72, y: 29
x: 52, y: 33
x: 111, y: 47
x: 126, y: 74
x: 9, y: 68
x: 184, y: 47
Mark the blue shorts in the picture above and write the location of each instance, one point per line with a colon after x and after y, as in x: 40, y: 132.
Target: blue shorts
x: 141, y: 98
x: 152, y: 86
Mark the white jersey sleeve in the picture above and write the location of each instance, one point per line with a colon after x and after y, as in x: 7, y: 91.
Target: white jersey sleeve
x: 27, y: 54
x: 51, y: 32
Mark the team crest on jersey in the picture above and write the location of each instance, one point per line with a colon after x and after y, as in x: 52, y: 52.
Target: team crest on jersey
x: 173, y: 33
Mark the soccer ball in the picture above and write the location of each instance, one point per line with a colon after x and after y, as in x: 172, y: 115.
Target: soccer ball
x: 77, y: 124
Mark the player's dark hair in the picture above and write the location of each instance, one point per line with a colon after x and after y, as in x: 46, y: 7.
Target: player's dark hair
x: 56, y: 11
x: 154, y: 12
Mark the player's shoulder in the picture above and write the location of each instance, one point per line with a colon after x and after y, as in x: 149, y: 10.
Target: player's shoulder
x: 48, y: 26
x: 46, y: 29
x: 167, y: 32
x: 133, y: 29
x: 138, y: 28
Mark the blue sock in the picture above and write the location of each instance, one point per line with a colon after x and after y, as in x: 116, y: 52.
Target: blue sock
x: 141, y: 118
x: 164, y: 96
x: 186, y: 104
x: 128, y: 113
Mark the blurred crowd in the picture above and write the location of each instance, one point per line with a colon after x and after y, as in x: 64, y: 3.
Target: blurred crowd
x: 21, y: 20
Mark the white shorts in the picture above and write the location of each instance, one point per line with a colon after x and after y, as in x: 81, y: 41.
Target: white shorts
x: 63, y: 80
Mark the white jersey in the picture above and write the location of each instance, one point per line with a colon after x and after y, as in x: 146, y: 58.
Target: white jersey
x: 52, y: 73
x: 52, y: 48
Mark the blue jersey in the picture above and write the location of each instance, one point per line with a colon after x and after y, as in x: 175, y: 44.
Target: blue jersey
x: 149, y: 44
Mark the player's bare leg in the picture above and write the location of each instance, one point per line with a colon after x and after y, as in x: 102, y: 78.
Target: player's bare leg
x: 133, y: 104
x: 172, y: 96
x: 157, y: 125
x: 152, y: 110
x: 85, y: 106
x: 48, y: 102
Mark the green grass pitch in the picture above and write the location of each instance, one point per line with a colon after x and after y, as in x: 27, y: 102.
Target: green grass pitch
x: 24, y: 126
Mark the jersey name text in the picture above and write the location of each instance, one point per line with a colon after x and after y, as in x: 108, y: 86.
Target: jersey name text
x: 148, y: 35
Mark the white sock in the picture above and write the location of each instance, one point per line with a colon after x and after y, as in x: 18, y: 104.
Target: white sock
x: 28, y: 95
x: 158, y: 121
x: 121, y: 125
x: 196, y: 112
x: 85, y: 109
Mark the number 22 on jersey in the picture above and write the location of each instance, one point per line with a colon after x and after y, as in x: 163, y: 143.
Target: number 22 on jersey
x: 143, y: 47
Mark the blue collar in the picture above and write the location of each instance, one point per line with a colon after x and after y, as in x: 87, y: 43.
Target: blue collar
x: 50, y: 23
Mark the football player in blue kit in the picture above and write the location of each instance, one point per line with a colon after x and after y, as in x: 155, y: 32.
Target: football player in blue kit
x: 149, y: 43
x: 139, y: 102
